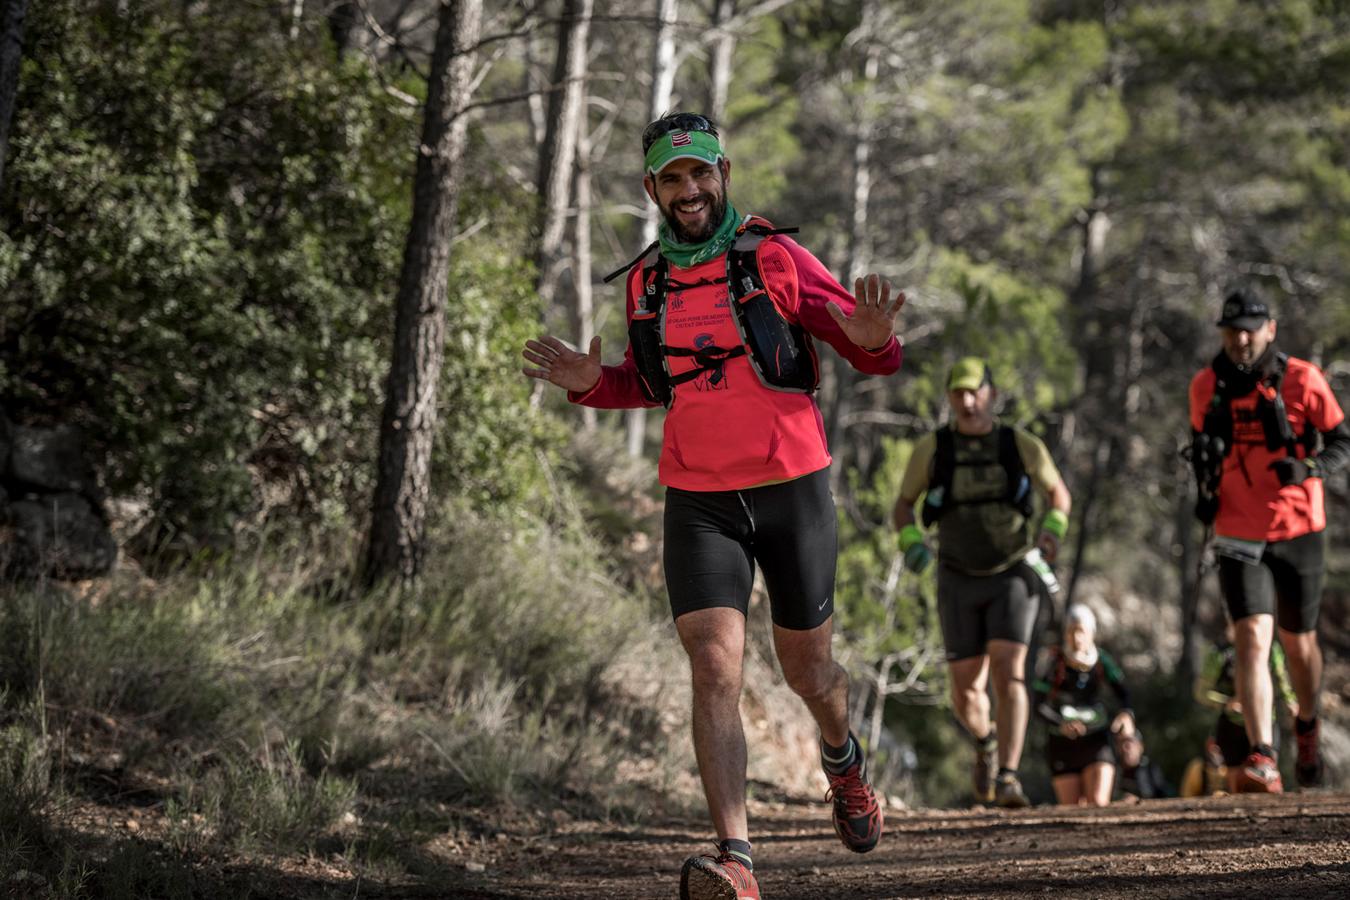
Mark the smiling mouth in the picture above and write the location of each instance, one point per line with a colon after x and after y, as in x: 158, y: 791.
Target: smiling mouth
x: 691, y: 208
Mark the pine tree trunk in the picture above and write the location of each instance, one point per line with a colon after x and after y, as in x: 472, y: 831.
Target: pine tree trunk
x: 663, y: 85
x: 342, y: 19
x: 581, y: 252
x: 12, y: 14
x: 859, y: 249
x: 722, y: 47
x: 408, y: 425
x: 559, y: 148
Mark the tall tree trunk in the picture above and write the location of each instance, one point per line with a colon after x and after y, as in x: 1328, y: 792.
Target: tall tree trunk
x: 663, y: 85
x: 342, y: 19
x: 722, y: 46
x: 297, y: 16
x: 581, y: 251
x: 12, y: 14
x: 1189, y: 572
x: 407, y: 427
x: 559, y: 148
x: 859, y: 251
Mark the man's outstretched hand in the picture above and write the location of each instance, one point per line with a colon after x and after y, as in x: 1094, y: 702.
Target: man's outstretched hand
x: 559, y: 364
x: 873, y: 321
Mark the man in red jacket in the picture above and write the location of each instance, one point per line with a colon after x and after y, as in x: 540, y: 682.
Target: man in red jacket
x: 1259, y: 417
x: 723, y: 312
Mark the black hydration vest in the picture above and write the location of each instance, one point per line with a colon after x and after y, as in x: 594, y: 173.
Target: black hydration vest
x: 1274, y: 416
x: 939, y: 499
x: 781, y: 352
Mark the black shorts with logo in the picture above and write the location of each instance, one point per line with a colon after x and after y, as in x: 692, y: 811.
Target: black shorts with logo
x: 1070, y: 756
x: 976, y: 609
x: 714, y: 539
x: 1286, y: 583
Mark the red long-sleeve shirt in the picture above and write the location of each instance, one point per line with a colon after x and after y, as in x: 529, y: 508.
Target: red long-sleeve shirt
x: 731, y: 432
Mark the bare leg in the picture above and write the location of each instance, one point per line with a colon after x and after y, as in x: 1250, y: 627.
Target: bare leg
x: 970, y: 697
x: 715, y: 641
x: 1305, y: 669
x: 1068, y: 789
x: 1098, y: 780
x: 810, y: 670
x: 1252, y: 674
x: 1008, y: 659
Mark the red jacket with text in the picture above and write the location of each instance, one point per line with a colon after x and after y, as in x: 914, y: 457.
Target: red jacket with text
x: 730, y: 432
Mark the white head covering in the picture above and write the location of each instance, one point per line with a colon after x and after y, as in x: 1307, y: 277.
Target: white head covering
x: 1082, y: 615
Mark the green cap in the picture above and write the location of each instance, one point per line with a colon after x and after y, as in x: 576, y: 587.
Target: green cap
x: 969, y: 374
x: 699, y: 145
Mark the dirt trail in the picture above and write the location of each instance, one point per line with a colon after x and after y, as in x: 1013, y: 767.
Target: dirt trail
x: 1296, y: 845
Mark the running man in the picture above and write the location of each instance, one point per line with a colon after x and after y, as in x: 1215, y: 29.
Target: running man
x: 977, y: 476
x: 1258, y: 417
x: 722, y: 314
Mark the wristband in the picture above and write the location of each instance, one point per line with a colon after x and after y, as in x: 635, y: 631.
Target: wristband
x: 909, y: 536
x: 1056, y: 523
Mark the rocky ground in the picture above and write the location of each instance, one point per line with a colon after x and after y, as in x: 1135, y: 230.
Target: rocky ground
x: 1294, y: 845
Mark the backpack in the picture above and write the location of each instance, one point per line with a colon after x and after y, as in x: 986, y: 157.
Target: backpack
x: 781, y: 353
x: 939, y: 500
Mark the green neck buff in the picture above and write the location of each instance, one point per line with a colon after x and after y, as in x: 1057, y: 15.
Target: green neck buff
x: 688, y: 255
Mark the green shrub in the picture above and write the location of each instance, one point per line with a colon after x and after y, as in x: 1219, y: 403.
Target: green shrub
x: 268, y: 802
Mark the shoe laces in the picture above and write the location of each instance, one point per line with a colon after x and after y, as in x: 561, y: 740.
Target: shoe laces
x: 858, y: 797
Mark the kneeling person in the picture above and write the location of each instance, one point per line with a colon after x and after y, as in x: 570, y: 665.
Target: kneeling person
x: 978, y: 476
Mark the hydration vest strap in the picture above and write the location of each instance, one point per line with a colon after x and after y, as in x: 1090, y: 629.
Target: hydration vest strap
x: 632, y: 262
x: 1018, y: 494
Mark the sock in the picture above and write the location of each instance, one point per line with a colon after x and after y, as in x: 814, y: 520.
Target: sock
x: 738, y: 849
x: 1264, y: 750
x: 989, y: 740
x: 1005, y: 773
x: 1303, y: 727
x: 838, y: 760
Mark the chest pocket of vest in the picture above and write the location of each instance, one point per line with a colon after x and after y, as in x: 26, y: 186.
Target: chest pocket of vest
x: 977, y: 474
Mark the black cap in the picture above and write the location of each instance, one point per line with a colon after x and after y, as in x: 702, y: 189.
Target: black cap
x: 1245, y: 309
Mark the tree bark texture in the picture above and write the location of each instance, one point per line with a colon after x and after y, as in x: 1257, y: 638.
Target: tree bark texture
x: 581, y: 252
x: 845, y: 379
x: 663, y: 85
x: 721, y: 48
x: 342, y: 19
x: 408, y: 424
x: 12, y: 13
x: 566, y: 96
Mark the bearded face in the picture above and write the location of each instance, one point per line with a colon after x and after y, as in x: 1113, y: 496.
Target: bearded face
x: 692, y: 198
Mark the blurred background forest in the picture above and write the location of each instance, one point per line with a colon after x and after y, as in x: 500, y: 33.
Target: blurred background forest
x: 209, y: 215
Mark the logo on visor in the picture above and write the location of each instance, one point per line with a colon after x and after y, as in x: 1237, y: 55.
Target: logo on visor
x: 681, y: 139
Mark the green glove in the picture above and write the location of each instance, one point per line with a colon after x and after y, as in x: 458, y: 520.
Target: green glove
x: 917, y: 555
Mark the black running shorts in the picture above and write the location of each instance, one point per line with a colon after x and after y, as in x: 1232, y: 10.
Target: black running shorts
x: 1070, y: 756
x: 976, y: 609
x: 1286, y: 583
x: 714, y: 539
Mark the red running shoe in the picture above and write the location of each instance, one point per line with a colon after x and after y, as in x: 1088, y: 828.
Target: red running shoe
x: 1308, y: 768
x: 721, y: 877
x: 857, y: 815
x: 1258, y: 775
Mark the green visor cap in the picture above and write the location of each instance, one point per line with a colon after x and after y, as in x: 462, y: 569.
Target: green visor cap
x: 667, y: 148
x: 969, y: 374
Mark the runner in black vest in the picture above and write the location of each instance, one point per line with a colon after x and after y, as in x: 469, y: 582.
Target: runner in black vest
x: 977, y: 478
x: 1267, y: 430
